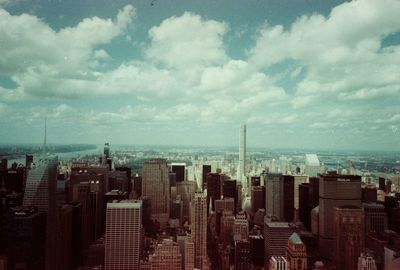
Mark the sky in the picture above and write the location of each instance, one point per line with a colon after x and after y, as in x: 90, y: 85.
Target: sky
x: 300, y: 73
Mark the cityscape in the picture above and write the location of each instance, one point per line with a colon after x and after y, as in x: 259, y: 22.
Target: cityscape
x: 207, y: 135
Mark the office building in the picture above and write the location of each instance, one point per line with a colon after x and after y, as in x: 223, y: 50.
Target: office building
x: 123, y: 235
x: 229, y: 190
x: 25, y: 238
x: 186, y: 190
x: 276, y: 236
x: 242, y: 255
x: 215, y: 183
x: 279, y: 201
x: 298, y: 180
x: 257, y: 249
x: 206, y: 169
x: 226, y: 230
x: 375, y: 218
x: 257, y: 198
x: 180, y: 171
x: 166, y: 256
x: 313, y: 165
x: 296, y: 253
x: 155, y: 186
x: 382, y: 183
x: 369, y: 194
x: 199, y: 229
x: 241, y: 227
x: 349, y: 236
x: 334, y: 191
x: 40, y: 191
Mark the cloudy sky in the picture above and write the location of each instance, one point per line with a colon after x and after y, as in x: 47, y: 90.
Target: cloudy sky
x: 304, y: 73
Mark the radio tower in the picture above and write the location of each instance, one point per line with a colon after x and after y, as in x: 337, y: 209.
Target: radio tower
x: 45, y: 137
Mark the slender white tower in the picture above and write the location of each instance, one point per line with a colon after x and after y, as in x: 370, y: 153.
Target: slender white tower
x: 242, y: 155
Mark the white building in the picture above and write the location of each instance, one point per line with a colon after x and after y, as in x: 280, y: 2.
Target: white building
x: 313, y: 165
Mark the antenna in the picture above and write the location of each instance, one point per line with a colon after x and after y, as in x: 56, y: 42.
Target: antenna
x: 45, y: 136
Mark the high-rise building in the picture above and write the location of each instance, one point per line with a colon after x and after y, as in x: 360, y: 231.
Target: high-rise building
x: 296, y: 253
x: 257, y: 198
x: 166, y: 256
x: 186, y: 190
x: 229, y: 191
x: 241, y: 227
x: 226, y: 231
x: 276, y: 236
x: 369, y: 194
x: 41, y: 191
x: 349, y: 236
x: 366, y: 262
x: 382, y: 183
x: 278, y: 263
x: 334, y: 191
x: 257, y: 249
x: 241, y: 175
x: 106, y: 150
x: 215, y: 183
x: 199, y: 229
x: 25, y: 238
x: 242, y: 255
x: 206, y: 170
x: 279, y: 201
x: 375, y: 218
x: 180, y: 171
x: 155, y: 186
x: 123, y: 235
x: 304, y: 205
x: 313, y: 165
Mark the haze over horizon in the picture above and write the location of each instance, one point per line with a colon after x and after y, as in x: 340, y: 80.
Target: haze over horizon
x: 305, y: 74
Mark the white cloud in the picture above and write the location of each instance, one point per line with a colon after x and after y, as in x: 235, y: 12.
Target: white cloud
x: 187, y: 41
x: 342, y: 53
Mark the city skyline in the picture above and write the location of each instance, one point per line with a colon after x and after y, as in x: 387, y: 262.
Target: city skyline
x: 309, y: 74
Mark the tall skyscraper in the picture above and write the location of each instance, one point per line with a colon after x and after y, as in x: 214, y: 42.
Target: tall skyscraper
x: 242, y: 255
x: 155, y: 185
x: 375, y: 218
x: 25, y: 238
x: 180, y: 171
x: 296, y: 253
x: 334, y: 191
x: 279, y: 196
x: 349, y: 236
x: 199, y: 229
x: 40, y: 191
x: 123, y: 226
x: 276, y: 235
x: 206, y: 170
x: 241, y: 175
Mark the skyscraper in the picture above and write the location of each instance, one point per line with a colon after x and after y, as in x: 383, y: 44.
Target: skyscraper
x: 279, y: 196
x: 123, y: 226
x: 180, y: 171
x: 349, y: 236
x: 40, y: 191
x: 199, y: 229
x: 25, y: 238
x: 276, y: 235
x: 334, y: 191
x: 241, y: 175
x: 155, y: 185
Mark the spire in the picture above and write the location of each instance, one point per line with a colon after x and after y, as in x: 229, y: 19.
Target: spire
x: 45, y: 137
